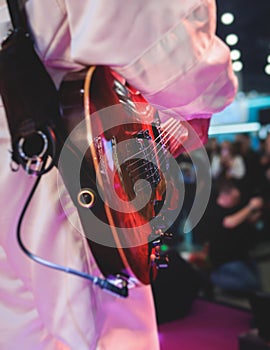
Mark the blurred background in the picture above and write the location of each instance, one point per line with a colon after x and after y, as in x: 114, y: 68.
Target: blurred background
x: 239, y: 155
x: 222, y: 264
x: 244, y: 26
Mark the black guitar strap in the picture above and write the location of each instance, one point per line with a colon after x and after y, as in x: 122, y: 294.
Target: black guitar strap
x: 32, y: 109
x: 17, y: 14
x: 29, y: 96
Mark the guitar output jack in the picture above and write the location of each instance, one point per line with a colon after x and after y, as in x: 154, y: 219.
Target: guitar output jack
x: 86, y: 198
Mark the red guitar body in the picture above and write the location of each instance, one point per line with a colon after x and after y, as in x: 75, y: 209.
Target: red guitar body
x: 121, y: 187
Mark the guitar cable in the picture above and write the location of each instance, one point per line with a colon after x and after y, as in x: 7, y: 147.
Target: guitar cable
x: 100, y: 282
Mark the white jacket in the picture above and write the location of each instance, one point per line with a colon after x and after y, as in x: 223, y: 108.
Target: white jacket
x: 166, y: 49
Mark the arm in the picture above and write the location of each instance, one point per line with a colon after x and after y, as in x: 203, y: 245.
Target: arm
x: 246, y: 213
x: 167, y: 50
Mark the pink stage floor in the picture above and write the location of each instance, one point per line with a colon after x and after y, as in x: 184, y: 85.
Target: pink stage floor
x: 209, y: 326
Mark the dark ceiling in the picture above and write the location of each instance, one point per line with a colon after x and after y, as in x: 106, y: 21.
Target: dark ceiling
x: 252, y: 25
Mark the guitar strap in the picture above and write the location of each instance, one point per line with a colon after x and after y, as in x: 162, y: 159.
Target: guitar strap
x: 29, y: 96
x: 31, y: 103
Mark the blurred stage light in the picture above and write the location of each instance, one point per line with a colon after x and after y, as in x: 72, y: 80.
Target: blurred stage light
x: 233, y: 128
x: 237, y: 66
x: 235, y: 54
x: 227, y: 18
x: 231, y: 39
x: 267, y: 69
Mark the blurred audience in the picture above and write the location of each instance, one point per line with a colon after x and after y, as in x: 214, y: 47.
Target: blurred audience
x: 228, y: 163
x: 231, y: 235
x: 237, y: 216
x: 212, y: 148
x: 265, y: 168
x: 194, y: 171
x: 251, y: 181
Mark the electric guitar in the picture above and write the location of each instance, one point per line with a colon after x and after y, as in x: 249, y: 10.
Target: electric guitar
x: 116, y: 167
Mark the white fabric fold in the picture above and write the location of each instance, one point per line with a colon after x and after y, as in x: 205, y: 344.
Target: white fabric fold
x: 169, y: 51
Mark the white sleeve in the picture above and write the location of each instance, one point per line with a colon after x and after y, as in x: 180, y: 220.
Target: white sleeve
x: 166, y: 49
x: 238, y: 168
x: 216, y: 167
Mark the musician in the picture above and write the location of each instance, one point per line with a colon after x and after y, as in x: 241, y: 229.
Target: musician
x: 166, y: 49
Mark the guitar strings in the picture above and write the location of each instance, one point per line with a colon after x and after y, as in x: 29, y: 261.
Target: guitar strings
x: 174, y: 127
x: 173, y: 132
